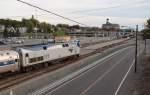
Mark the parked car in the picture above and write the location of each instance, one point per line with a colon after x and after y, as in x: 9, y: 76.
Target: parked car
x: 18, y: 41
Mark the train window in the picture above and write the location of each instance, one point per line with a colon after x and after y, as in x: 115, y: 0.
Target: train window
x: 32, y: 60
x: 27, y: 55
x: 40, y: 58
x: 36, y: 59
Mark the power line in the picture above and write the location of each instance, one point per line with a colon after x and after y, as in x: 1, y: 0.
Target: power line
x: 106, y: 8
x: 91, y: 10
x: 52, y: 13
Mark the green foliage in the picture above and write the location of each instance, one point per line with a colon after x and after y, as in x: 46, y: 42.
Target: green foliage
x: 5, y: 33
x: 29, y: 26
x: 43, y: 27
x: 1, y: 34
x: 146, y: 32
x: 8, y: 22
x: 59, y: 33
x: 62, y: 25
x: 17, y: 34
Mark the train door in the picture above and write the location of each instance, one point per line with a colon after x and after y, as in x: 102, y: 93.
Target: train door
x: 26, y: 61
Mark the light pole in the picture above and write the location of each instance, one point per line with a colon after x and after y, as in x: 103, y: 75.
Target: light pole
x: 136, y: 48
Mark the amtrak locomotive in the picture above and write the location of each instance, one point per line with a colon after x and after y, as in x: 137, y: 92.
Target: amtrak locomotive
x: 22, y: 59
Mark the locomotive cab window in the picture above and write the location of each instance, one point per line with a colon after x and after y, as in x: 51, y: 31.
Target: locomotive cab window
x: 65, y: 45
x: 16, y: 60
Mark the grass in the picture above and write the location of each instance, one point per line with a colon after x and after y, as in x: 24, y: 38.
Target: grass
x: 59, y: 33
x: 1, y: 33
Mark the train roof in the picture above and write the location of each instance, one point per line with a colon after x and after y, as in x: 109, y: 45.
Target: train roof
x: 8, y: 55
x: 8, y: 52
x: 41, y: 47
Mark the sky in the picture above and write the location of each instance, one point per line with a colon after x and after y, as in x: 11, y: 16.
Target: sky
x: 90, y: 12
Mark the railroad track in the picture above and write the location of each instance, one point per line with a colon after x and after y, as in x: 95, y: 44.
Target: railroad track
x: 18, y: 78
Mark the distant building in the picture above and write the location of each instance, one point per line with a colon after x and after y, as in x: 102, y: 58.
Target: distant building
x: 110, y: 26
x: 22, y: 29
x: 11, y: 29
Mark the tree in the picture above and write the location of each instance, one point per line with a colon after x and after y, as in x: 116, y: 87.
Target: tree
x: 45, y: 27
x: 146, y: 32
x: 75, y: 27
x: 17, y: 34
x: 148, y: 24
x: 29, y: 26
x: 34, y: 21
x: 5, y: 33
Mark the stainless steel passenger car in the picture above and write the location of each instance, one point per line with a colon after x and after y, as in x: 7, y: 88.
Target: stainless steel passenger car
x: 9, y: 61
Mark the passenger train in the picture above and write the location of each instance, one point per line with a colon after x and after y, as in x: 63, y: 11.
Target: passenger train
x: 22, y: 59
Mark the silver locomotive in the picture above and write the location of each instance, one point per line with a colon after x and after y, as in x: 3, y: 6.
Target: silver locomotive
x: 24, y: 58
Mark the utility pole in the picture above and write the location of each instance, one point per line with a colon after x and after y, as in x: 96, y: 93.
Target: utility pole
x: 145, y: 43
x: 136, y: 48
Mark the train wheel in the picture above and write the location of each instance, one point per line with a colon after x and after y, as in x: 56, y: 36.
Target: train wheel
x: 26, y: 69
x: 23, y: 70
x: 45, y: 64
x: 77, y: 55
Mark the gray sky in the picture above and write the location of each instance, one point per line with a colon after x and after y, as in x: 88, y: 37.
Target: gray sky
x: 91, y: 12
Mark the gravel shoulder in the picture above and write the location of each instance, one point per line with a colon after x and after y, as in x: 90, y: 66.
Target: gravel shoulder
x: 141, y: 80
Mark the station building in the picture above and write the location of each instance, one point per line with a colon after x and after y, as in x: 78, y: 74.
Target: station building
x: 111, y: 26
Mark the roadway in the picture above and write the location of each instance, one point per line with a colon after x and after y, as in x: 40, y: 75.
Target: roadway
x: 106, y: 78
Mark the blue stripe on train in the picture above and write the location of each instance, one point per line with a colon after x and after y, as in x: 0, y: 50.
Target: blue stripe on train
x: 7, y: 63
